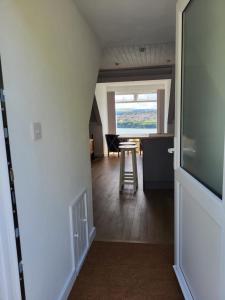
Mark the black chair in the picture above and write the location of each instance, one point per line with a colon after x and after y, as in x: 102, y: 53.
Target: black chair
x: 113, y: 143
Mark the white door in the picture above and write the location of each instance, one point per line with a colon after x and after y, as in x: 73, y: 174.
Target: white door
x: 199, y: 149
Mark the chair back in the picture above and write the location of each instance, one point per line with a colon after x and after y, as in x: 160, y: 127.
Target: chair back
x: 112, y: 142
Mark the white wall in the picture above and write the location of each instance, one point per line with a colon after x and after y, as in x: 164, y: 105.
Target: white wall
x: 50, y: 60
x: 3, y: 288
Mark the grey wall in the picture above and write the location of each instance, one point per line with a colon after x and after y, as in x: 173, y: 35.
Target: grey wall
x: 160, y: 110
x: 95, y: 130
x: 111, y: 112
x: 171, y: 114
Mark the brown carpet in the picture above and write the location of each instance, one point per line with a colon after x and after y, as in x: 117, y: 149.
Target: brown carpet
x: 127, y: 271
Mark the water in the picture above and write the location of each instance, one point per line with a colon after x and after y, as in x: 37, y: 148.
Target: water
x: 135, y: 130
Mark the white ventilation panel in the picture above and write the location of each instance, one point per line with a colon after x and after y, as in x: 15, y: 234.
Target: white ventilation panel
x: 79, y: 230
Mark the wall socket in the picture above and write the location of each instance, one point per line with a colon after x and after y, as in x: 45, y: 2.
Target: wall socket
x: 36, y: 131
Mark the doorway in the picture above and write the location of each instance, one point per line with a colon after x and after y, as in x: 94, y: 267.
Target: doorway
x: 12, y: 283
x: 134, y: 230
x: 135, y: 111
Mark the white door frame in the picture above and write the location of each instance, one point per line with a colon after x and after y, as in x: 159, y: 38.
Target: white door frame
x: 207, y: 200
x: 10, y: 286
x: 179, y: 24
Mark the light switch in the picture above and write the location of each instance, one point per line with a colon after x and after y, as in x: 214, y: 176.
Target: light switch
x: 36, y: 131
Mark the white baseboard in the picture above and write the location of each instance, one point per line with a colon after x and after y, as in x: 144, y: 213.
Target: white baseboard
x: 92, y: 235
x: 182, y: 282
x: 68, y: 286
x: 72, y: 278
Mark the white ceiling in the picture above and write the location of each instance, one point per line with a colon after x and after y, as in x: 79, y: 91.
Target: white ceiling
x: 130, y: 22
x: 131, y: 56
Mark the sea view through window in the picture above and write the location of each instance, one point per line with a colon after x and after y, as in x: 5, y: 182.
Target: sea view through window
x: 136, y: 114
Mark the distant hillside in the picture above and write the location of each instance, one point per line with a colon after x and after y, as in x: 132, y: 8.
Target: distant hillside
x: 136, y: 118
x: 131, y: 110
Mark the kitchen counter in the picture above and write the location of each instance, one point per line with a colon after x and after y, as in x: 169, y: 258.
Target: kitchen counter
x: 145, y: 136
x: 158, y: 170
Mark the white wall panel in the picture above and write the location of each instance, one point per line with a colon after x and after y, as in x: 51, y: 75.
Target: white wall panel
x: 200, y: 244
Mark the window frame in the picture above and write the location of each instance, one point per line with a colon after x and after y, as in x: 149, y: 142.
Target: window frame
x: 135, y: 97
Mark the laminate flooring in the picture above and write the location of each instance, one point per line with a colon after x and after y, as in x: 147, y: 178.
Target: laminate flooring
x: 140, y: 217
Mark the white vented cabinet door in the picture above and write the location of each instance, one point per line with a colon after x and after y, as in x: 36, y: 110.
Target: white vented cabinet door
x: 83, y: 228
x: 79, y: 226
x: 74, y: 233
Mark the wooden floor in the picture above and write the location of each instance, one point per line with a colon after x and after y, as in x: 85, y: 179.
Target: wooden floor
x: 141, y: 217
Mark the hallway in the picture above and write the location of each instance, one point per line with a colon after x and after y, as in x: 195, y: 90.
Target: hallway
x: 77, y: 78
x: 132, y: 255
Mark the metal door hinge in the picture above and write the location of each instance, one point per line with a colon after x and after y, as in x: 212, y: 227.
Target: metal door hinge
x: 6, y: 133
x: 20, y: 267
x: 2, y: 96
x: 17, y: 232
x: 11, y: 175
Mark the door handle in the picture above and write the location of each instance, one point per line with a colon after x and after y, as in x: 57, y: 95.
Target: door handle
x: 171, y: 150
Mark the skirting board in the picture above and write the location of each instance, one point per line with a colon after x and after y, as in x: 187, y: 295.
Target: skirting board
x: 182, y: 282
x: 92, y: 235
x: 72, y: 278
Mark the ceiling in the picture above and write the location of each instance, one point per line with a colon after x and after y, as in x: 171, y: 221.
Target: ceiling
x: 122, y: 57
x: 130, y: 22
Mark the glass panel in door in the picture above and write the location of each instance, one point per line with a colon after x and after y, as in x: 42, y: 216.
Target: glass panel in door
x: 203, y: 92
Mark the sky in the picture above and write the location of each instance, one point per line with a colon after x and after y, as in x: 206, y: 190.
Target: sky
x: 136, y: 105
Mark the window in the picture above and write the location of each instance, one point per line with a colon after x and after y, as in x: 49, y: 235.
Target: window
x: 124, y: 98
x: 147, y: 97
x: 203, y: 90
x: 136, y: 113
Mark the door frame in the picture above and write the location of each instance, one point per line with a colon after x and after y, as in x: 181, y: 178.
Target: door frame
x: 10, y: 278
x: 10, y: 273
x: 178, y: 81
x: 213, y: 203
